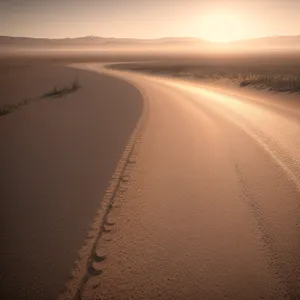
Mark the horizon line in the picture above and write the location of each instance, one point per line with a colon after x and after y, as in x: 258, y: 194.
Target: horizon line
x: 148, y: 39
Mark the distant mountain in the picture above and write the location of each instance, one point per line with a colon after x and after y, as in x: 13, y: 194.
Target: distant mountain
x: 96, y: 43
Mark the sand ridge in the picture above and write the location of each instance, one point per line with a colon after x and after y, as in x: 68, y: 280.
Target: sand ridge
x: 92, y: 255
x: 200, y: 219
x: 57, y: 157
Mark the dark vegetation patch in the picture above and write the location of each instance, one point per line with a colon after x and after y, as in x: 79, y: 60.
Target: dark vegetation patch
x: 54, y: 93
x: 9, y: 108
x: 60, y: 92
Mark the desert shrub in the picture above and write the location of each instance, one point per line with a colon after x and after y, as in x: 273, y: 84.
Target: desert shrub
x: 6, y: 109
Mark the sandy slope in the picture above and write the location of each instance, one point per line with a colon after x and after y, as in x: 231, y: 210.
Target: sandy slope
x: 57, y: 157
x: 212, y: 207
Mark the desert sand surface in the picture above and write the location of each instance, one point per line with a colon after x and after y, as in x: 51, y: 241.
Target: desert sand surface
x: 57, y: 157
x: 210, y: 205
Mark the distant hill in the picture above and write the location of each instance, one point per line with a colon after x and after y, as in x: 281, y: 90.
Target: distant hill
x: 97, y: 43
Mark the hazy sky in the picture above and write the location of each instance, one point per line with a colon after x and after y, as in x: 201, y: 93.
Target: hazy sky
x: 219, y: 20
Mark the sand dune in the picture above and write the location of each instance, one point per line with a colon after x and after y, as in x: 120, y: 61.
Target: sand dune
x: 57, y: 157
x: 206, y: 207
x: 210, y: 205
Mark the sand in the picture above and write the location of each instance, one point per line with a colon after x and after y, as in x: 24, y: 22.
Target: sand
x: 57, y: 157
x: 210, y: 205
x: 207, y: 206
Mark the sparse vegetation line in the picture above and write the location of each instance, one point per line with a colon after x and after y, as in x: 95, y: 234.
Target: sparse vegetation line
x: 54, y: 93
x: 9, y: 108
x: 278, y: 78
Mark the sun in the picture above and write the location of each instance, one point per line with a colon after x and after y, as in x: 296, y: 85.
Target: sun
x: 222, y: 26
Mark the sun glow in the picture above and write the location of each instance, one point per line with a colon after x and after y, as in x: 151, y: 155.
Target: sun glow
x: 222, y: 26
